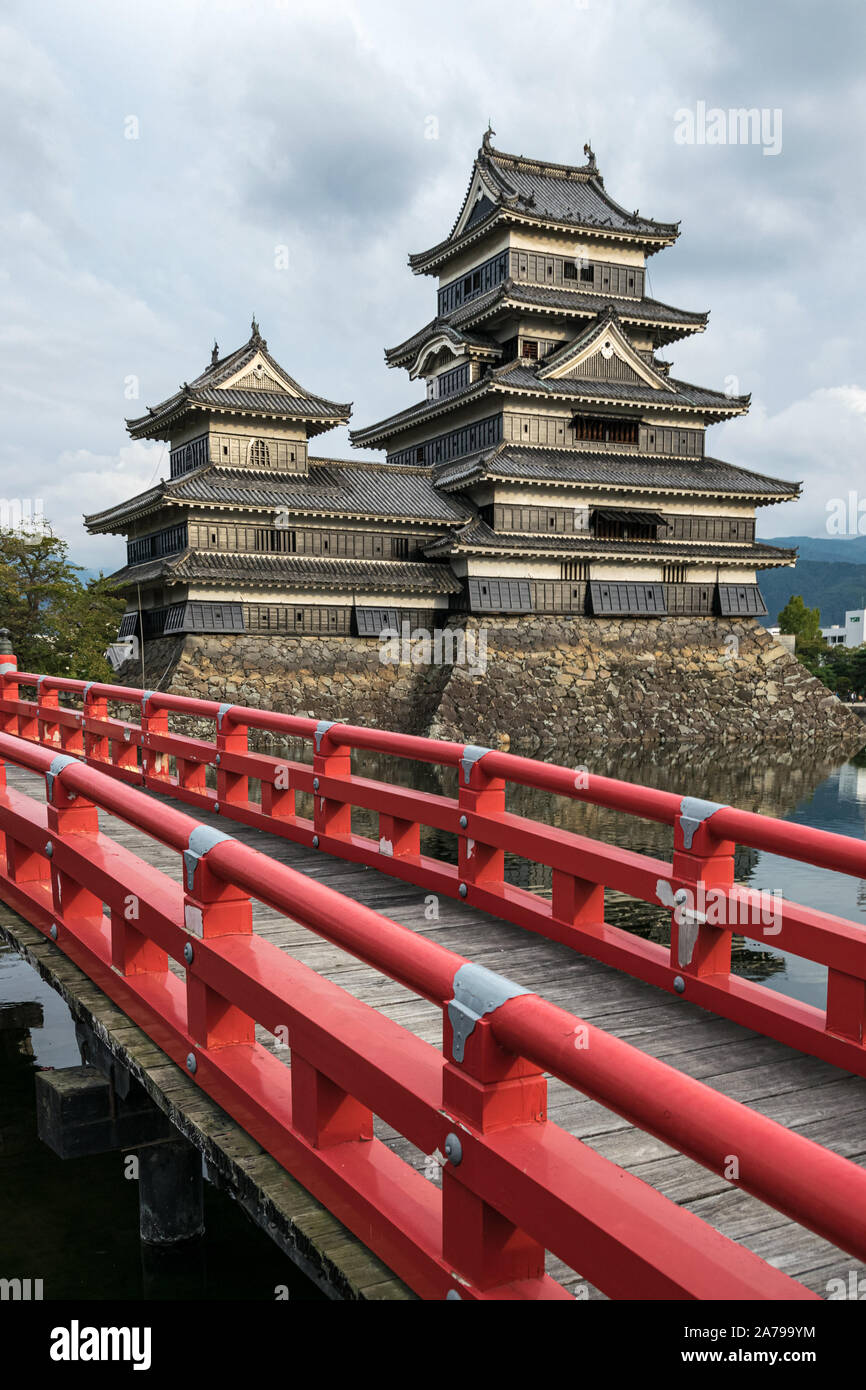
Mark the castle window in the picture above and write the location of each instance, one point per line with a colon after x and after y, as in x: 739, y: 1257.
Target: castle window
x: 605, y: 429
x: 528, y: 348
x: 260, y: 456
x: 275, y: 541
x: 569, y: 270
x: 225, y: 448
x: 400, y: 547
x: 419, y: 454
x: 587, y: 273
x: 574, y: 570
x: 674, y: 574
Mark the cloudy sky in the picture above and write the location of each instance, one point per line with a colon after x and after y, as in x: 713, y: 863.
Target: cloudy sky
x: 157, y: 158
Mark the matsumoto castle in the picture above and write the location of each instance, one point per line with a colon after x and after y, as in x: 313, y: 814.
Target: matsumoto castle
x: 548, y: 464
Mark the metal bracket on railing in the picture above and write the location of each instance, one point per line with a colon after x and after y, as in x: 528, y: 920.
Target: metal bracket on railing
x: 6, y: 667
x: 221, y: 714
x: 472, y: 754
x: 86, y: 691
x: 59, y: 763
x: 693, y: 813
x: 145, y: 696
x: 477, y: 991
x: 201, y: 839
x: 321, y: 729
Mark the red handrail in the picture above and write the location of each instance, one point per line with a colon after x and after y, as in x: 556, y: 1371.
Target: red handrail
x: 538, y: 1177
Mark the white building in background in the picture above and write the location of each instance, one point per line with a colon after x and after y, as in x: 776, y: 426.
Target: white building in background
x: 850, y: 634
x: 855, y: 627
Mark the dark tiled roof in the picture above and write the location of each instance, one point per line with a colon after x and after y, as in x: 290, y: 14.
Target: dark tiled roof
x: 307, y: 571
x: 646, y: 472
x: 420, y: 411
x: 514, y: 376
x: 545, y: 192
x: 681, y: 393
x: 439, y: 327
x: 333, y: 487
x: 478, y: 536
x: 571, y: 302
x: 206, y: 391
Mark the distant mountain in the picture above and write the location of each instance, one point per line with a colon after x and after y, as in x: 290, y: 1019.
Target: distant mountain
x: 830, y: 574
x: 851, y: 550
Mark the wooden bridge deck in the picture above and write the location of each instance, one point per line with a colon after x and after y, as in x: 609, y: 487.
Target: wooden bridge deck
x: 807, y: 1095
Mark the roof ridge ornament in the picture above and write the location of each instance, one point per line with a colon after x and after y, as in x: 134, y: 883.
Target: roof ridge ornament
x: 215, y: 353
x: 256, y: 339
x: 590, y: 157
x: 486, y: 137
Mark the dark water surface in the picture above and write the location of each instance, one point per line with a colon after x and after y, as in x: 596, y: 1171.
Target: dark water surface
x: 74, y: 1224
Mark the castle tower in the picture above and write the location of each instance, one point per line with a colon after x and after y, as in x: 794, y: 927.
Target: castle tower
x: 549, y: 412
x: 249, y: 534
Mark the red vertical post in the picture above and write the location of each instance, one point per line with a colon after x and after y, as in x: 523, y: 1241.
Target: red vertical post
x: 8, y: 682
x: 192, y: 775
x: 332, y: 815
x: 398, y: 837
x: 576, y: 902
x: 702, y: 862
x: 477, y: 792
x: 322, y: 1112
x: 212, y: 908
x: 233, y: 788
x: 28, y: 720
x: 154, y: 761
x: 72, y: 738
x: 70, y: 814
x: 485, y: 1088
x: 95, y: 744
x: 846, y: 1006
x: 48, y: 728
x: 278, y: 796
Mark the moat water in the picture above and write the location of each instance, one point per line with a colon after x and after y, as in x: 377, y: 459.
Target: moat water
x: 74, y: 1224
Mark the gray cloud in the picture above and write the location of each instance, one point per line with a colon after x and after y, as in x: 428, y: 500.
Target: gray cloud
x: 263, y: 125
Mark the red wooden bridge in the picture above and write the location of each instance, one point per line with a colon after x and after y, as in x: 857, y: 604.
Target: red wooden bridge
x: 242, y: 969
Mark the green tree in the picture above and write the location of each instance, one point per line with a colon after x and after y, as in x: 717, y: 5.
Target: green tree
x: 804, y: 622
x: 58, y: 624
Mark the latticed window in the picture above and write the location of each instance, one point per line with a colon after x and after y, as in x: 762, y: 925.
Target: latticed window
x: 259, y: 454
x: 574, y: 570
x: 674, y: 574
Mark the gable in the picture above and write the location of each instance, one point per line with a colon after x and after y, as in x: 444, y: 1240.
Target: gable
x: 604, y: 365
x: 480, y: 200
x: 602, y: 353
x: 257, y: 375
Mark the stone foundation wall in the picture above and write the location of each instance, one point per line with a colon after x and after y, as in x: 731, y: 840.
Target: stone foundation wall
x: 642, y: 682
x: 549, y: 685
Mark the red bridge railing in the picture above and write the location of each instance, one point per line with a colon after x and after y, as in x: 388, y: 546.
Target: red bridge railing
x: 697, y: 965
x: 514, y: 1185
